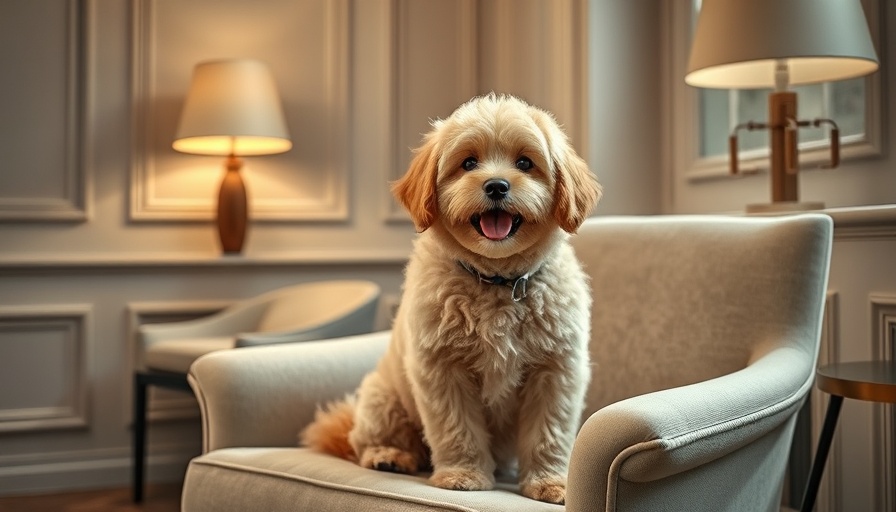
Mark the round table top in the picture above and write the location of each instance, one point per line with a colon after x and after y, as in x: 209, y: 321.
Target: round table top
x: 874, y: 381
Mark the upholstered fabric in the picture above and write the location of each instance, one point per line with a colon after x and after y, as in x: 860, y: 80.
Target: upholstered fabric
x: 177, y: 355
x: 323, y: 309
x: 317, y: 304
x: 728, y: 290
x: 266, y: 396
x: 297, y: 479
x: 705, y: 333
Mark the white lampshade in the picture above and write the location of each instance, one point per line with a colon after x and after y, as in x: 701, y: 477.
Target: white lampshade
x: 737, y: 42
x: 232, y: 108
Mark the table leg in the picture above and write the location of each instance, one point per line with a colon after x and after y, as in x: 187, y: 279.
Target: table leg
x: 821, y: 455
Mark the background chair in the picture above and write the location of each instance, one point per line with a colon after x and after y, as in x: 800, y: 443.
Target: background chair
x: 705, y: 333
x: 311, y: 311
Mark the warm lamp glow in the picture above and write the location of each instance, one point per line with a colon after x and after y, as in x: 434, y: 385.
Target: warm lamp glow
x: 755, y: 74
x: 226, y: 145
x: 737, y: 44
x: 232, y: 108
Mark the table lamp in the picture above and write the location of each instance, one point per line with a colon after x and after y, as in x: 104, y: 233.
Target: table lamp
x: 233, y: 110
x: 749, y: 44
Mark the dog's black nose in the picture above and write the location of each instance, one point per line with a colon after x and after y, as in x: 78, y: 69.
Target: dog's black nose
x: 496, y: 188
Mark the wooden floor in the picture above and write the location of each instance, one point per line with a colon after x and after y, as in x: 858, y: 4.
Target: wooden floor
x: 157, y: 498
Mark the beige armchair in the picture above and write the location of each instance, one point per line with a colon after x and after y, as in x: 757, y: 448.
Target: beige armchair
x: 705, y: 332
x: 309, y: 311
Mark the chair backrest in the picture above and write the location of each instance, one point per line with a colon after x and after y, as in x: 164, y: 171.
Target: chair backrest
x: 317, y: 310
x: 683, y: 299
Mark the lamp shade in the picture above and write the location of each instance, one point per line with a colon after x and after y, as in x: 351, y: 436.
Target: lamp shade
x: 232, y: 108
x: 737, y: 42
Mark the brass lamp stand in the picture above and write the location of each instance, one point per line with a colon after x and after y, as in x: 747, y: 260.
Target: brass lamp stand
x: 785, y: 186
x: 784, y: 153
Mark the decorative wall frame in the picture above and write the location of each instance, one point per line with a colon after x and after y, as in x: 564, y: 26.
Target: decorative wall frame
x: 486, y: 56
x: 417, y: 96
x: 883, y: 345
x: 59, y: 191
x: 309, y: 183
x: 48, y: 342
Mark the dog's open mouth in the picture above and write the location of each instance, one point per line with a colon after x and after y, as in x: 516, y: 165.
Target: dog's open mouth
x: 496, y: 224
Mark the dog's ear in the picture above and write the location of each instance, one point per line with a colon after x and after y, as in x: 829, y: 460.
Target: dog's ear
x: 416, y: 190
x: 576, y: 192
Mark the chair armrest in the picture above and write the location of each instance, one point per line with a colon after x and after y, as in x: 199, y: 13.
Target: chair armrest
x: 359, y: 321
x: 658, y: 435
x: 263, y: 396
x: 239, y: 318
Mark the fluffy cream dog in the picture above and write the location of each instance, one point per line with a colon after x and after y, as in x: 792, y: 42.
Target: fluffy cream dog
x: 488, y: 362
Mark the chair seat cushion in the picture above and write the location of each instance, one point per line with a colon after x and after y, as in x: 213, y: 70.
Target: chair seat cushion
x: 274, y: 479
x: 177, y: 355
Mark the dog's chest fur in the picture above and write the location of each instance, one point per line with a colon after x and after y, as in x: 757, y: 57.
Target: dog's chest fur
x: 481, y: 330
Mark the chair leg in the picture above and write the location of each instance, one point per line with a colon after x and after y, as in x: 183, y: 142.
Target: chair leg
x: 142, y: 381
x: 139, y: 441
x: 800, y: 463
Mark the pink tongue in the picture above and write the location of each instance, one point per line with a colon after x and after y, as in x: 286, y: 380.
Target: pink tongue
x: 496, y: 224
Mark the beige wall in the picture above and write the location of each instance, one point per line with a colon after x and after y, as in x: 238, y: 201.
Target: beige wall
x: 625, y: 110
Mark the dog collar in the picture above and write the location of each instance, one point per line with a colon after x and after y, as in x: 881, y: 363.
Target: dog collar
x: 517, y: 285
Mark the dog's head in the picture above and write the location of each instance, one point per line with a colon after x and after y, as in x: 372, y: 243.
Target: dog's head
x: 500, y: 175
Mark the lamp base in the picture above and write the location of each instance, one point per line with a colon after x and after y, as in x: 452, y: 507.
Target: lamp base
x: 232, y: 208
x: 785, y: 207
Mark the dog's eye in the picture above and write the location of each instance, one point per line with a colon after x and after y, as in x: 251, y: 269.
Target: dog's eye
x: 469, y: 164
x: 524, y: 163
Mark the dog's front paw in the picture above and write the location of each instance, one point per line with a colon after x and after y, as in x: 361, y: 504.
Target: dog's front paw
x: 388, y: 458
x: 462, y: 479
x: 551, y: 489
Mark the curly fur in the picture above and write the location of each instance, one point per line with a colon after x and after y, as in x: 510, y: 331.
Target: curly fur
x: 474, y: 382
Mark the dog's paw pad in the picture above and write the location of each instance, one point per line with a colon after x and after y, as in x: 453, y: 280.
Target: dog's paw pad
x: 459, y: 479
x: 550, y: 490
x: 387, y: 466
x: 388, y: 458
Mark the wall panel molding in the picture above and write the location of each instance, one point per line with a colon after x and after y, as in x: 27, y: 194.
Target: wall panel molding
x: 101, y: 467
x: 309, y: 183
x: 883, y: 345
x: 876, y: 222
x: 433, y: 70
x: 170, y: 261
x: 60, y: 193
x: 567, y: 61
x: 549, y: 71
x: 50, y: 344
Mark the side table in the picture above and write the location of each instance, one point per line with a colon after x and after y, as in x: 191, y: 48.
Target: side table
x: 873, y: 381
